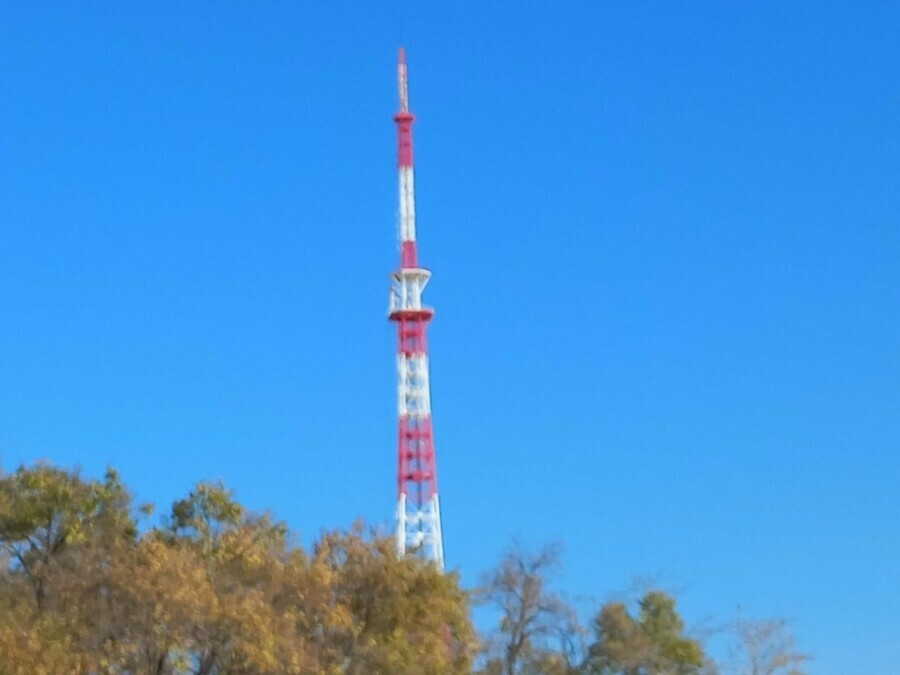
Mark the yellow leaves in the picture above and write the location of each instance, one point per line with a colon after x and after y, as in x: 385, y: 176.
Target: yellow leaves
x: 32, y: 645
x: 388, y: 615
x: 216, y: 590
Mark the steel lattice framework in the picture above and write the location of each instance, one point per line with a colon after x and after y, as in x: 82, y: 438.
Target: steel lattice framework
x: 418, y: 508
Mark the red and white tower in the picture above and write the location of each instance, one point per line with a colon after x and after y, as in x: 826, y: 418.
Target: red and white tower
x: 418, y: 509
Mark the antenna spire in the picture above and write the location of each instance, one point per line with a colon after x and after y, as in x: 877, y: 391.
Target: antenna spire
x: 402, y: 89
x: 407, y: 214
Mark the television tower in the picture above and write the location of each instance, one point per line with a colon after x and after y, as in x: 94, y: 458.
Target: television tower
x: 418, y: 509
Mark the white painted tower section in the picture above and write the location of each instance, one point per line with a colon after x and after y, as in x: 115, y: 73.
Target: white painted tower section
x: 407, y: 210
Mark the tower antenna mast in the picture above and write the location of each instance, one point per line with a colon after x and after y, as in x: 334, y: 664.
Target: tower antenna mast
x: 418, y: 507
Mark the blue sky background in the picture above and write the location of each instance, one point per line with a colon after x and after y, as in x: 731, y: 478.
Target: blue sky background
x: 665, y: 248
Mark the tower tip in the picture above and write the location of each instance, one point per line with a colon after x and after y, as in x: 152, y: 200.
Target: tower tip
x: 401, y: 80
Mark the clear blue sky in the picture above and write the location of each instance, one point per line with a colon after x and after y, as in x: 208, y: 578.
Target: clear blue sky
x: 665, y: 248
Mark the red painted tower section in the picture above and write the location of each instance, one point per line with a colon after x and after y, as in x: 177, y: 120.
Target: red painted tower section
x: 418, y: 507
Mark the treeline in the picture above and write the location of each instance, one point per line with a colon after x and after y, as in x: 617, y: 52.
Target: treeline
x: 215, y: 590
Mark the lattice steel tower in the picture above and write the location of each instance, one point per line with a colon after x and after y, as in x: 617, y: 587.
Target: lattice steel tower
x: 418, y: 509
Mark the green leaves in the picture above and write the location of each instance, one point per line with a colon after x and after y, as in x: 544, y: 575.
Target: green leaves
x: 653, y: 643
x: 206, y: 512
x: 44, y: 511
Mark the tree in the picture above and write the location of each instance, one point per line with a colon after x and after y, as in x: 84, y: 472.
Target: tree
x: 538, y: 630
x: 349, y: 607
x: 767, y: 647
x: 236, y: 626
x: 45, y: 510
x: 60, y: 535
x: 653, y: 643
x: 216, y: 591
x: 369, y: 611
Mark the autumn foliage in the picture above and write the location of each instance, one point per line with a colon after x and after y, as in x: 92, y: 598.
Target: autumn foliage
x: 213, y: 590
x: 90, y: 586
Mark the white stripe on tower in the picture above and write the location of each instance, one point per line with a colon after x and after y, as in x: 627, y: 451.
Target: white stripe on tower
x: 418, y: 508
x: 407, y: 204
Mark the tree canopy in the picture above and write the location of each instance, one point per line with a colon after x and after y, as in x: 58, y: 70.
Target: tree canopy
x: 212, y: 591
x: 88, y: 586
